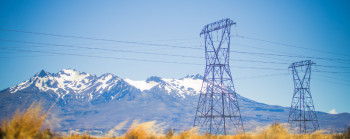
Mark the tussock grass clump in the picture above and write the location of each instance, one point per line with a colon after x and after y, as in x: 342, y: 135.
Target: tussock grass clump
x: 26, y: 124
x: 147, y: 130
x: 275, y: 131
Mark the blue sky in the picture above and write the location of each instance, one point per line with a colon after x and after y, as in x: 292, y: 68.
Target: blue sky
x: 317, y: 29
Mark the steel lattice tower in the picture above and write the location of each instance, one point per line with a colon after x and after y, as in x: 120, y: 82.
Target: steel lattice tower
x: 302, y: 115
x: 217, y: 110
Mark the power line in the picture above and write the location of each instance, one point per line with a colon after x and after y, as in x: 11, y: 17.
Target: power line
x: 261, y: 76
x: 95, y: 39
x: 129, y: 51
x: 279, y: 55
x: 108, y: 57
x: 239, y: 67
x: 259, y: 48
x: 174, y: 46
x: 94, y: 48
x: 143, y: 43
x: 338, y: 83
x: 330, y: 72
x: 25, y: 56
x: 152, y: 53
x: 256, y: 68
x: 58, y: 35
x: 239, y: 60
x: 157, y: 61
x: 275, y: 58
x: 253, y: 53
x: 119, y: 58
x: 89, y: 38
x: 333, y: 78
x: 258, y: 61
x: 338, y: 67
x: 288, y: 45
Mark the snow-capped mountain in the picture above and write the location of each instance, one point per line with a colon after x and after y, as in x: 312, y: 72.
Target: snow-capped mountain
x: 70, y: 84
x: 89, y: 102
x: 81, y: 85
x: 189, y: 85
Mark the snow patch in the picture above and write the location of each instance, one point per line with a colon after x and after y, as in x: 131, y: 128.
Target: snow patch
x: 188, y: 86
x: 142, y: 85
x: 20, y: 86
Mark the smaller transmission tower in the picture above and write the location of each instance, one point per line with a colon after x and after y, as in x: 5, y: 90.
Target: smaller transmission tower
x: 302, y: 114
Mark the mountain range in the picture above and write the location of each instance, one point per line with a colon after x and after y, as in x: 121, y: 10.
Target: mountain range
x: 96, y: 104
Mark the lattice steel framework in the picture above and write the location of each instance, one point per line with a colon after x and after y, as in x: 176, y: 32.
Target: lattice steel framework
x: 218, y: 110
x: 302, y: 114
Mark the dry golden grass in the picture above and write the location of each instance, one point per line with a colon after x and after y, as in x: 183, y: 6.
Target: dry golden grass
x: 29, y: 125
x: 275, y: 131
x: 26, y: 124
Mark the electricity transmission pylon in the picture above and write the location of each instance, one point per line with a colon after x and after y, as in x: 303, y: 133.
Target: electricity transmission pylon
x: 217, y: 110
x: 302, y: 114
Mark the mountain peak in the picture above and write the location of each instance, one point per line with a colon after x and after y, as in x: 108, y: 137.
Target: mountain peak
x: 42, y: 73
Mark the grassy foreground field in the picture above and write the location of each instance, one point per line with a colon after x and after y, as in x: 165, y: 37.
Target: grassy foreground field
x: 30, y: 124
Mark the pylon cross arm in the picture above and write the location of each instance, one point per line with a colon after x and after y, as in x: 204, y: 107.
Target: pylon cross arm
x: 217, y: 25
x: 301, y: 63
